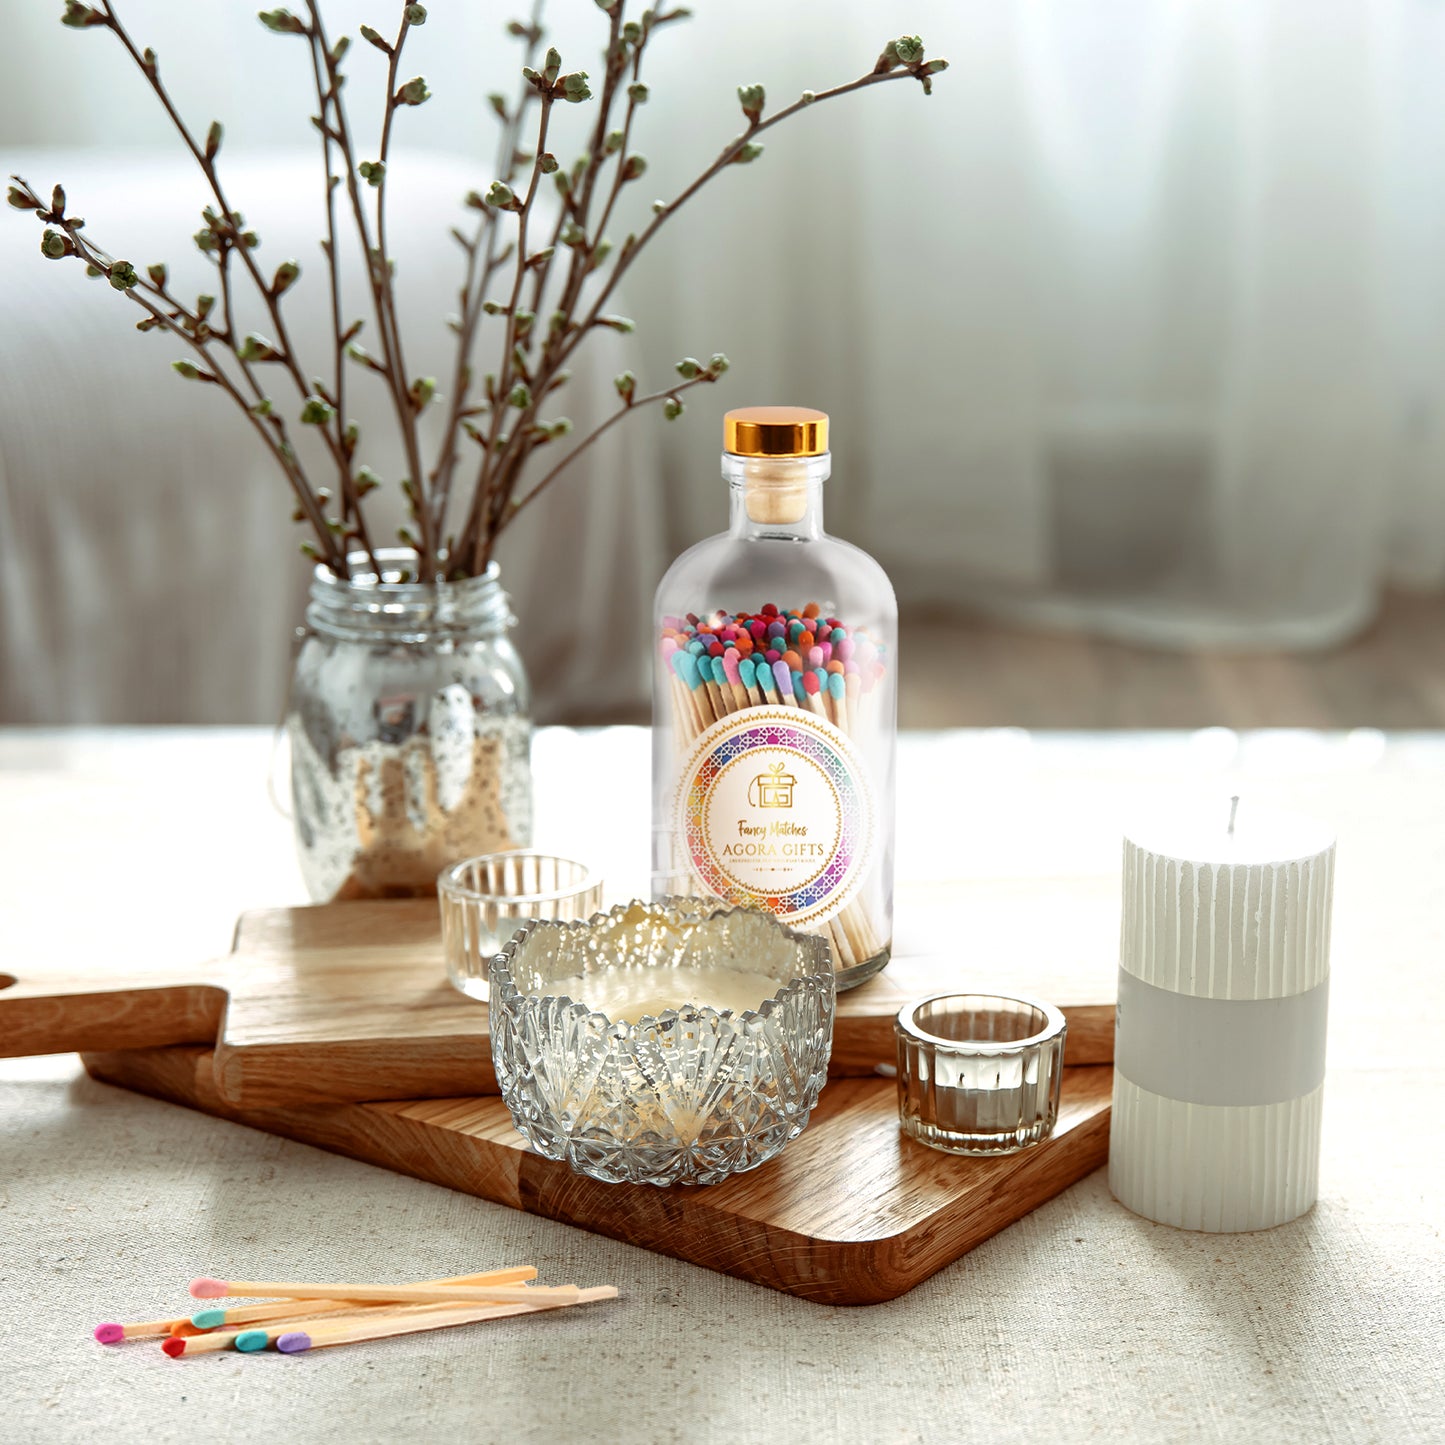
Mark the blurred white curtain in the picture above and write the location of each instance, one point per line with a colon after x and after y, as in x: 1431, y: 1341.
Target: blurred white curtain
x: 1137, y: 323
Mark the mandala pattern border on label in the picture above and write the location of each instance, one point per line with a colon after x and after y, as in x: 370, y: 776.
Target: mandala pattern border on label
x: 816, y: 739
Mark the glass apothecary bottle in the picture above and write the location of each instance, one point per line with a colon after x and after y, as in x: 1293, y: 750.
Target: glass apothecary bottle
x: 775, y: 704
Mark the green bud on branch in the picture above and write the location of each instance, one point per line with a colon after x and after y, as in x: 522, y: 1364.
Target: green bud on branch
x: 673, y: 408
x: 282, y: 22
x: 623, y: 324
x: 626, y: 385
x: 317, y: 411
x: 372, y: 172
x: 634, y: 168
x: 414, y: 92
x: 213, y: 140
x: 79, y: 16
x: 688, y: 368
x: 285, y: 277
x: 637, y: 93
x: 752, y: 98
x: 574, y: 87
x: 55, y: 246
x: 374, y: 37
x: 747, y: 153
x: 415, y: 14
x: 501, y: 195
x: 191, y: 371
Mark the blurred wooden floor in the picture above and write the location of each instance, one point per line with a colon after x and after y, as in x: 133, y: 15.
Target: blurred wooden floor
x: 987, y: 674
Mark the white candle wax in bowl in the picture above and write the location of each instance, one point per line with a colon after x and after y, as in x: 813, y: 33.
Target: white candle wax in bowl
x: 632, y: 994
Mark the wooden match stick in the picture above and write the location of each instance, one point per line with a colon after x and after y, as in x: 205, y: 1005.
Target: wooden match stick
x: 208, y: 1288
x: 291, y: 1309
x: 405, y: 1322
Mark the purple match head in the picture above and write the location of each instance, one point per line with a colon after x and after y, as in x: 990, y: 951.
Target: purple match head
x: 783, y: 676
x: 294, y: 1342
x: 777, y: 629
x: 730, y: 668
x: 110, y: 1334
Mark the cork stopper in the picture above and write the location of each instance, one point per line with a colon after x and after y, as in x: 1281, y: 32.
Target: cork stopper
x: 774, y: 440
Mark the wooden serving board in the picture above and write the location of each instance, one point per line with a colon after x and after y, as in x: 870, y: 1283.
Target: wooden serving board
x: 850, y: 1213
x: 345, y: 1002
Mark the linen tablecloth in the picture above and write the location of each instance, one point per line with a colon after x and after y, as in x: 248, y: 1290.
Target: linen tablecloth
x: 1082, y: 1322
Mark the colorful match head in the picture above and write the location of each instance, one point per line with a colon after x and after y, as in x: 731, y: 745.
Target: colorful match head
x: 815, y: 657
x: 783, y: 676
x: 208, y: 1319
x: 811, y: 610
x: 767, y: 683
x: 731, y: 672
x: 799, y: 691
x: 772, y: 655
x: 173, y: 1347
x: 768, y: 609
x: 837, y: 687
x: 295, y: 1342
x: 207, y: 1288
x: 249, y: 1341
x: 811, y: 685
x: 793, y: 661
x: 719, y: 671
x: 777, y: 629
x: 748, y: 673
x: 110, y: 1334
x: 685, y: 665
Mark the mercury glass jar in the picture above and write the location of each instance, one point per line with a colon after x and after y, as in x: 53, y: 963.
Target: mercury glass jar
x: 410, y: 728
x: 774, y: 704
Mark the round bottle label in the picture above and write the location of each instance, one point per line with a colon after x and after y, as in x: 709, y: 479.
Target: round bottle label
x: 775, y: 812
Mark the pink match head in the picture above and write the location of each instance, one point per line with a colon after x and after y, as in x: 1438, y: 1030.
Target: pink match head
x: 173, y: 1347
x: 730, y: 667
x: 207, y: 1288
x: 815, y: 657
x: 844, y: 650
x: 772, y: 655
x: 110, y: 1334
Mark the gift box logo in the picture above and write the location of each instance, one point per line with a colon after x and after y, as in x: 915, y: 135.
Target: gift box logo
x: 772, y: 789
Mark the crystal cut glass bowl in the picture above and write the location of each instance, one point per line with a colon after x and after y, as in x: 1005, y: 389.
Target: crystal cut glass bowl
x: 688, y: 1094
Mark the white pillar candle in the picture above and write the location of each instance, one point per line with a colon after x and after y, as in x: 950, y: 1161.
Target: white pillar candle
x: 1219, y: 1051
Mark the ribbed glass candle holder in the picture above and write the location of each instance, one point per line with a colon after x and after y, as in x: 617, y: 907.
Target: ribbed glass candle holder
x: 485, y: 900
x: 979, y: 1073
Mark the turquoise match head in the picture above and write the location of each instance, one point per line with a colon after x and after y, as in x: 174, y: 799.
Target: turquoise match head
x: 249, y: 1341
x: 208, y: 1319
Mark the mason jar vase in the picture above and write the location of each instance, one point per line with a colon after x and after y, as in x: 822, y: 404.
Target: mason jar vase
x: 410, y: 729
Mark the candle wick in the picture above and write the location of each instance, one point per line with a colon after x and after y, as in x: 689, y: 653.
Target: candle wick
x: 1233, y: 810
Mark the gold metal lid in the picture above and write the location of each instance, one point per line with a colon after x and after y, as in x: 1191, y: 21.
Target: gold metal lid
x: 775, y: 431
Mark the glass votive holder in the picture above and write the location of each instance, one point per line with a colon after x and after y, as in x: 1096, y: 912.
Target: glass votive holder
x: 979, y: 1073
x: 485, y: 900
